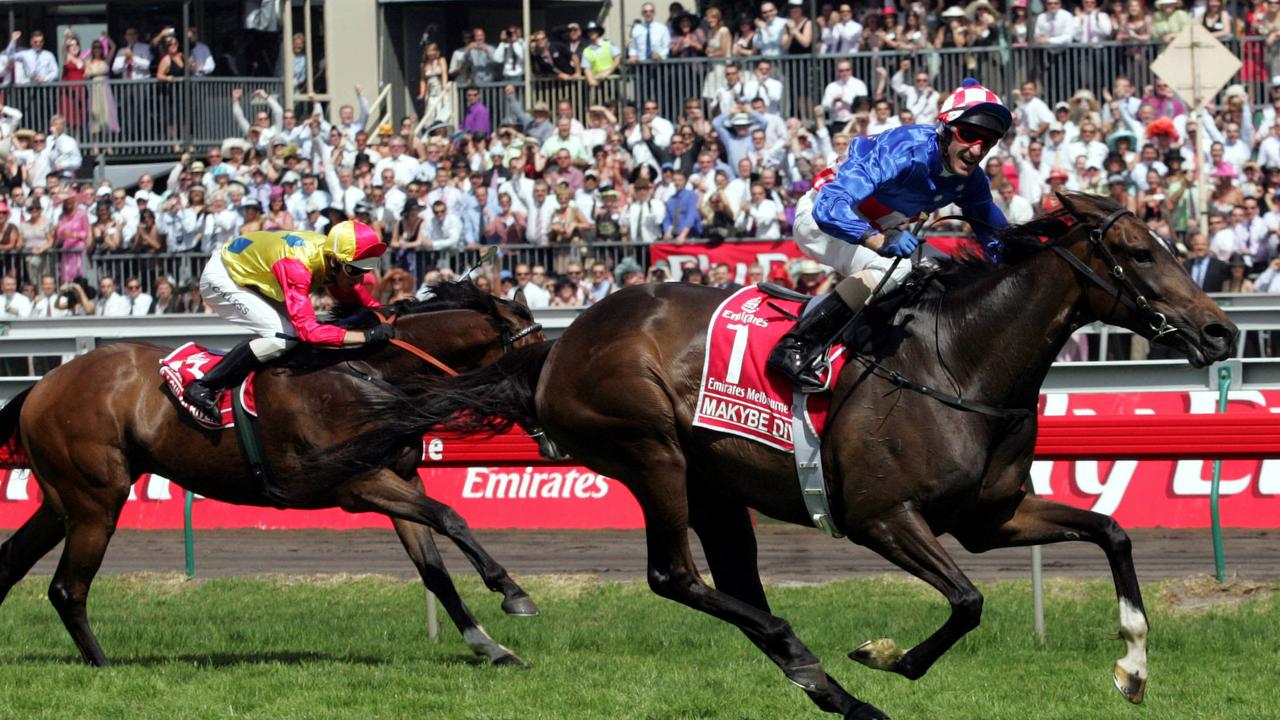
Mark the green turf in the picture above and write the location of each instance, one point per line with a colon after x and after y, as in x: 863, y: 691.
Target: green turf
x: 356, y: 648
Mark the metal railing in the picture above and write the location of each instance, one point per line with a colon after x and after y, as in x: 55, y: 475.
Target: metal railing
x: 1062, y: 70
x: 139, y: 117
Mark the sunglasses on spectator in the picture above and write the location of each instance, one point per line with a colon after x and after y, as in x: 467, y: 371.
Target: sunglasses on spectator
x: 133, y: 286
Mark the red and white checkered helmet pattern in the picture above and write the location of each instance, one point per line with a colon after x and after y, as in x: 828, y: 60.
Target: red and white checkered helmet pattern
x: 972, y: 97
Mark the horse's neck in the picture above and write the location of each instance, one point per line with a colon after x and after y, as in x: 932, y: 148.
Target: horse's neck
x: 1007, y: 329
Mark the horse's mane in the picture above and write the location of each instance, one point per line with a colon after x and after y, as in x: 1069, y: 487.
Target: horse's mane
x: 449, y: 295
x: 1020, y: 242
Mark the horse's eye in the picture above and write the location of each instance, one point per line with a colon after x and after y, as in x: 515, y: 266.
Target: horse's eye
x: 1143, y: 255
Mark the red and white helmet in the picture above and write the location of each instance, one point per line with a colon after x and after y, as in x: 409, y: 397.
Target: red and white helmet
x: 974, y: 104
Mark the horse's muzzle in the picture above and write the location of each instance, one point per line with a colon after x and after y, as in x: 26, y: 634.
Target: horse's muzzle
x: 1218, y: 340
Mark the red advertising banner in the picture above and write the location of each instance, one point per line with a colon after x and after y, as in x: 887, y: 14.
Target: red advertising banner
x: 511, y: 494
x: 738, y: 255
x: 741, y: 255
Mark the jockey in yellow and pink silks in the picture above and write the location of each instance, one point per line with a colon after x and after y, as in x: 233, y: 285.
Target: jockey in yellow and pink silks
x: 263, y: 281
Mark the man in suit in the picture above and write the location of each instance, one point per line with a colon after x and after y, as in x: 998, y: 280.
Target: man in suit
x: 1206, y: 271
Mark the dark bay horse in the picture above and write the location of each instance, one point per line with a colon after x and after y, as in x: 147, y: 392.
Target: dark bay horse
x: 618, y: 390
x: 92, y: 426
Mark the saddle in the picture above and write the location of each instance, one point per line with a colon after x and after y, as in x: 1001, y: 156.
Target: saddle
x: 237, y: 408
x: 191, y: 362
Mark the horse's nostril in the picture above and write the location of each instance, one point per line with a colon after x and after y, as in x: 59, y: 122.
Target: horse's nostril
x: 1218, y: 331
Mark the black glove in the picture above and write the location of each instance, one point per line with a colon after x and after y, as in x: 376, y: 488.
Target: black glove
x: 380, y: 335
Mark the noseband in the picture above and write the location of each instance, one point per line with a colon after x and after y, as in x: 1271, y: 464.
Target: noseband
x: 1126, y: 293
x: 509, y: 339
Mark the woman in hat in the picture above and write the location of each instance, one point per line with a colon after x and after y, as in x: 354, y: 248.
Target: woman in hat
x: 278, y: 215
x: 263, y: 283
x: 1058, y: 178
x: 890, y: 28
x: 1017, y: 26
x: 798, y: 40
x: 954, y: 31
x: 251, y: 211
x: 1169, y: 20
x: 1225, y: 195
x: 1237, y: 282
x: 688, y: 40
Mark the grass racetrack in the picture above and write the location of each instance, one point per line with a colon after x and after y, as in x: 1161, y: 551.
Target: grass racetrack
x: 356, y: 647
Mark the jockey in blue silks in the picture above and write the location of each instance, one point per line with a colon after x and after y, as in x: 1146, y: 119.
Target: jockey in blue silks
x: 887, y: 181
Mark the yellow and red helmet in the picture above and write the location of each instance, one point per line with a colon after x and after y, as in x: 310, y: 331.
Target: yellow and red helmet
x: 355, y: 243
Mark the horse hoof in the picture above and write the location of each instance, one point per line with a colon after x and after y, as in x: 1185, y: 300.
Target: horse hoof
x: 866, y: 711
x: 882, y: 654
x: 509, y: 660
x: 810, y: 678
x: 1131, y: 685
x: 522, y: 606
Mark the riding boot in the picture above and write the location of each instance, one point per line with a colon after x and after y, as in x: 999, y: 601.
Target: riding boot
x: 234, y: 367
x: 796, y: 355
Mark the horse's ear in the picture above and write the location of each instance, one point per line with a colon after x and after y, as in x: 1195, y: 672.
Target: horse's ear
x: 519, y: 297
x: 1075, y: 204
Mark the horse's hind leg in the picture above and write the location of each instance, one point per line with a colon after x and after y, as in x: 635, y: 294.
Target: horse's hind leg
x: 37, y: 536
x: 1035, y: 521
x: 422, y: 550
x: 906, y: 540
x: 729, y: 542
x: 90, y: 523
x: 387, y: 493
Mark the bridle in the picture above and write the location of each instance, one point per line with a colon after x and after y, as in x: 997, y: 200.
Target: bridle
x: 1124, y: 292
x: 508, y: 338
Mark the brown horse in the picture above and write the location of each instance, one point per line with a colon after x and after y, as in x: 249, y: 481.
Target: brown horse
x: 93, y: 425
x: 618, y: 390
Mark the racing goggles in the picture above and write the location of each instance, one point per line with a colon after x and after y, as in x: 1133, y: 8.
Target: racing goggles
x: 353, y: 270
x: 967, y: 134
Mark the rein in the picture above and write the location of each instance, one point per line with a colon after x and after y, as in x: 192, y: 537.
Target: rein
x: 509, y: 339
x: 413, y: 349
x: 1137, y: 304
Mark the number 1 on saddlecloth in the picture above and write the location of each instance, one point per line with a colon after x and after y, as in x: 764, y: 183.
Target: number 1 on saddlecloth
x: 738, y: 352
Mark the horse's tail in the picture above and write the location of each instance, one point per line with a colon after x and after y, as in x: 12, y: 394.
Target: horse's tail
x: 485, y: 402
x: 10, y: 414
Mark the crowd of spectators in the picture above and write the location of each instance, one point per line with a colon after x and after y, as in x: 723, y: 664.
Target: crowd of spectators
x: 726, y: 165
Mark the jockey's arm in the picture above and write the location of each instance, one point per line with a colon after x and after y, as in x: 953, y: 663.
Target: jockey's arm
x: 357, y: 295
x: 835, y: 207
x: 978, y: 204
x: 295, y: 282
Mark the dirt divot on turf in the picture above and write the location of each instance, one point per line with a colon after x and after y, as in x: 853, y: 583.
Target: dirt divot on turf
x: 568, y: 585
x: 1202, y: 593
x: 157, y: 583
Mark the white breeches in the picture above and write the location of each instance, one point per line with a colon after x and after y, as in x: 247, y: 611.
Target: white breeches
x: 248, y: 309
x: 846, y: 258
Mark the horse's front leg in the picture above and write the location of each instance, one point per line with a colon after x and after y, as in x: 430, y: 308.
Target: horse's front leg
x: 905, y: 540
x: 1035, y: 521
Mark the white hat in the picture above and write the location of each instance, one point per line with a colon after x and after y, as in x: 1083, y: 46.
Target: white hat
x: 315, y: 204
x: 1055, y: 126
x: 1166, y: 2
x: 954, y: 11
x: 290, y: 177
